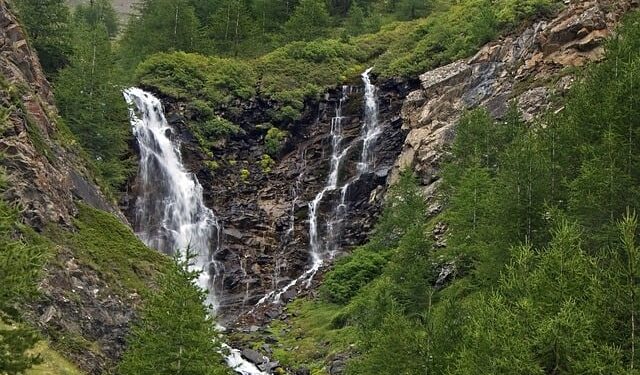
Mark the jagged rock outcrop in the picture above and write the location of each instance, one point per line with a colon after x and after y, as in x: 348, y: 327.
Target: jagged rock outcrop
x: 46, y: 175
x: 529, y: 68
x: 44, y: 170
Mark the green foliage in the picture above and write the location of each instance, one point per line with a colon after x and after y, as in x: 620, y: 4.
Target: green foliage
x: 164, y: 25
x: 196, y: 77
x: 175, y: 334
x: 312, y: 334
x: 266, y: 163
x: 48, y: 25
x: 20, y: 269
x: 274, y: 140
x: 90, y: 100
x: 98, y: 12
x: 309, y: 21
x: 244, y: 175
x: 350, y: 274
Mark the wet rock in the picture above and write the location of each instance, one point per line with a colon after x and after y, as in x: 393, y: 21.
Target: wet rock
x: 253, y: 356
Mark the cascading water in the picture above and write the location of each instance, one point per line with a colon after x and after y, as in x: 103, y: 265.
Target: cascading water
x: 317, y: 251
x: 372, y: 128
x: 170, y: 211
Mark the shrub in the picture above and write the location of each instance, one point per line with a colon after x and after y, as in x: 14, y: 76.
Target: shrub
x: 274, y: 140
x: 244, y: 175
x: 266, y: 163
x: 352, y: 273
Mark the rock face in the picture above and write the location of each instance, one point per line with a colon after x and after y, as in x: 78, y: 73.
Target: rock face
x: 45, y: 172
x: 265, y: 242
x: 528, y: 68
x: 45, y: 176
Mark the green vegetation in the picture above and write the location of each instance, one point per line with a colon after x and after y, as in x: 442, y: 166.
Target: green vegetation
x: 244, y: 175
x: 311, y: 337
x: 48, y: 24
x: 175, y: 334
x: 112, y: 250
x: 274, y: 140
x: 314, y: 46
x: 541, y: 247
x: 266, y: 163
x: 20, y: 269
x: 52, y: 362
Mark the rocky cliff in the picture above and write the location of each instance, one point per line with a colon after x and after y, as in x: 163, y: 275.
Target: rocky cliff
x: 42, y: 160
x: 265, y: 210
x: 46, y: 177
x: 528, y: 69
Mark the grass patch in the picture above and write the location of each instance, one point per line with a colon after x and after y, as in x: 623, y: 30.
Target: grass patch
x: 310, y: 337
x: 112, y: 250
x: 53, y: 363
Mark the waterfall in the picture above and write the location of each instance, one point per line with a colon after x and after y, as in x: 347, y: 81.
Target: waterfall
x: 320, y: 250
x: 371, y: 128
x: 170, y: 211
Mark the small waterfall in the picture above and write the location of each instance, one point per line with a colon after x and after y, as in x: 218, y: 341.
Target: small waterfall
x: 371, y: 129
x: 170, y: 211
x: 322, y: 250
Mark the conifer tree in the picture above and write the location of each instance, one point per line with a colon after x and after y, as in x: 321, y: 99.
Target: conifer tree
x: 175, y: 334
x: 48, y: 25
x: 309, y: 21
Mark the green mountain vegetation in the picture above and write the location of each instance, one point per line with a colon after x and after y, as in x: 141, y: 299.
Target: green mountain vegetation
x: 542, y: 259
x: 541, y: 246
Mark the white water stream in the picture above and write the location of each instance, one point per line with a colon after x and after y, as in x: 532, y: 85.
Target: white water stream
x: 171, y: 214
x: 321, y: 251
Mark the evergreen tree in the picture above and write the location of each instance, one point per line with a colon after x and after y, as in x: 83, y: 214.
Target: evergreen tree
x: 48, y: 25
x: 99, y: 12
x: 90, y: 101
x: 160, y: 26
x: 412, y: 9
x: 309, y: 21
x: 174, y: 334
x: 229, y: 26
x: 355, y: 24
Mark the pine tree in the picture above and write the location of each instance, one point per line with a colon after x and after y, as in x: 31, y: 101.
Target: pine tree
x: 48, y: 25
x: 175, y: 334
x: 355, y: 24
x: 160, y: 26
x: 91, y: 103
x: 309, y: 21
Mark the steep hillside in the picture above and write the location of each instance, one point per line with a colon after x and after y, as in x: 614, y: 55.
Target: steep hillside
x: 450, y: 189
x: 94, y: 268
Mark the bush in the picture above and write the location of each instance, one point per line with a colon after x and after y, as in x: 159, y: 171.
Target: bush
x: 352, y: 273
x: 274, y: 140
x: 190, y: 76
x: 266, y: 163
